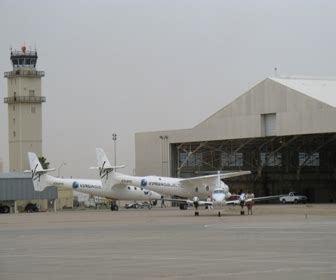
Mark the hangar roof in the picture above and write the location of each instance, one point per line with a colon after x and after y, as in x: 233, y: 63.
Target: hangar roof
x: 323, y: 90
x: 15, y: 175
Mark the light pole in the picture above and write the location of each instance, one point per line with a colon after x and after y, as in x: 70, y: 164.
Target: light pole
x: 59, y: 169
x: 114, y: 138
x: 164, y: 155
x: 166, y: 152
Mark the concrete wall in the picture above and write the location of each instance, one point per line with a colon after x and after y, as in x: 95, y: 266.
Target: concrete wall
x: 24, y: 123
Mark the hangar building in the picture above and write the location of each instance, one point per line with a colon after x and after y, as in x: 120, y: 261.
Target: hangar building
x: 282, y: 129
x: 16, y: 190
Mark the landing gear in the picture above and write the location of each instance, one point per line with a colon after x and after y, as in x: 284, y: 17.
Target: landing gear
x: 114, y: 206
x: 219, y: 213
x: 196, y: 213
x: 183, y: 206
x: 242, y: 212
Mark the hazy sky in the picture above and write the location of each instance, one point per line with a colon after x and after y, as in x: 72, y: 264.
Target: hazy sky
x: 133, y: 66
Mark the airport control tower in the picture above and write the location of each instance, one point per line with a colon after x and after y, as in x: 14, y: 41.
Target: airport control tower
x: 24, y: 108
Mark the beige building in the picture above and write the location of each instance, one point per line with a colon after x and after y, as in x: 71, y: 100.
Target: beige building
x: 282, y: 129
x: 65, y: 198
x: 24, y: 108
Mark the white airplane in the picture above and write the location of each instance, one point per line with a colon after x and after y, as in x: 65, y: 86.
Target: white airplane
x: 207, y: 190
x: 94, y: 187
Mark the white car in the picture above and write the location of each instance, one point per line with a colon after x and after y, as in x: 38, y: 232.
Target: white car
x: 292, y: 197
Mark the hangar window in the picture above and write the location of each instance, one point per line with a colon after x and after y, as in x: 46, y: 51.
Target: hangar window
x: 309, y: 159
x: 269, y: 159
x: 191, y: 159
x: 232, y: 159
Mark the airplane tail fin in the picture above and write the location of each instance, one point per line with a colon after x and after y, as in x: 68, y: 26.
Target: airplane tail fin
x: 104, y: 165
x: 34, y: 162
x: 102, y: 160
x: 218, y: 183
x: 38, y: 173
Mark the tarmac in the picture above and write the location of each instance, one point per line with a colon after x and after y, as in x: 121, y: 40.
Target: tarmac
x: 277, y: 242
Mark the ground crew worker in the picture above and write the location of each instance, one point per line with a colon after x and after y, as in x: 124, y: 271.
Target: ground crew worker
x: 163, y: 205
x: 209, y: 200
x: 249, y: 202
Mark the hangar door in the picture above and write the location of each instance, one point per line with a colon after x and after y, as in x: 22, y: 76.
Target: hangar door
x: 268, y: 124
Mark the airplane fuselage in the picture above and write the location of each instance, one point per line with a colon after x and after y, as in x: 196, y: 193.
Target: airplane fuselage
x: 163, y: 185
x: 95, y: 187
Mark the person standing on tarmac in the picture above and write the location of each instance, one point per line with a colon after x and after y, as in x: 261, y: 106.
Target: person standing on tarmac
x: 163, y: 205
x: 249, y: 204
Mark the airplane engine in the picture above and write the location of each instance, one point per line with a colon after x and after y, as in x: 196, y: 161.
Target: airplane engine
x: 227, y: 195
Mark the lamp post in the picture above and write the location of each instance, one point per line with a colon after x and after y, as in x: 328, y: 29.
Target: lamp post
x: 59, y: 169
x: 164, y: 155
x: 114, y: 138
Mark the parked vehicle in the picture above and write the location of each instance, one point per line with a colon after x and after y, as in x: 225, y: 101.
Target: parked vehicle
x: 31, y: 207
x: 292, y: 197
x: 4, y: 209
x: 90, y: 203
x: 137, y: 205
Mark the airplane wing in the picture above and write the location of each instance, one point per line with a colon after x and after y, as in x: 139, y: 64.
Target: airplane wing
x: 210, y: 179
x: 188, y: 201
x: 255, y: 199
x: 224, y: 202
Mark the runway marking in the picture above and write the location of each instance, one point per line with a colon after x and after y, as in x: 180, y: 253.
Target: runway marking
x: 255, y: 272
x: 154, y: 258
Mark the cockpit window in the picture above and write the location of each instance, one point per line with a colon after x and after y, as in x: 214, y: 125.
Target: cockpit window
x: 219, y: 191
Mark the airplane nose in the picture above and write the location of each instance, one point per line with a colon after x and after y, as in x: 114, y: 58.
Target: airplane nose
x: 218, y: 197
